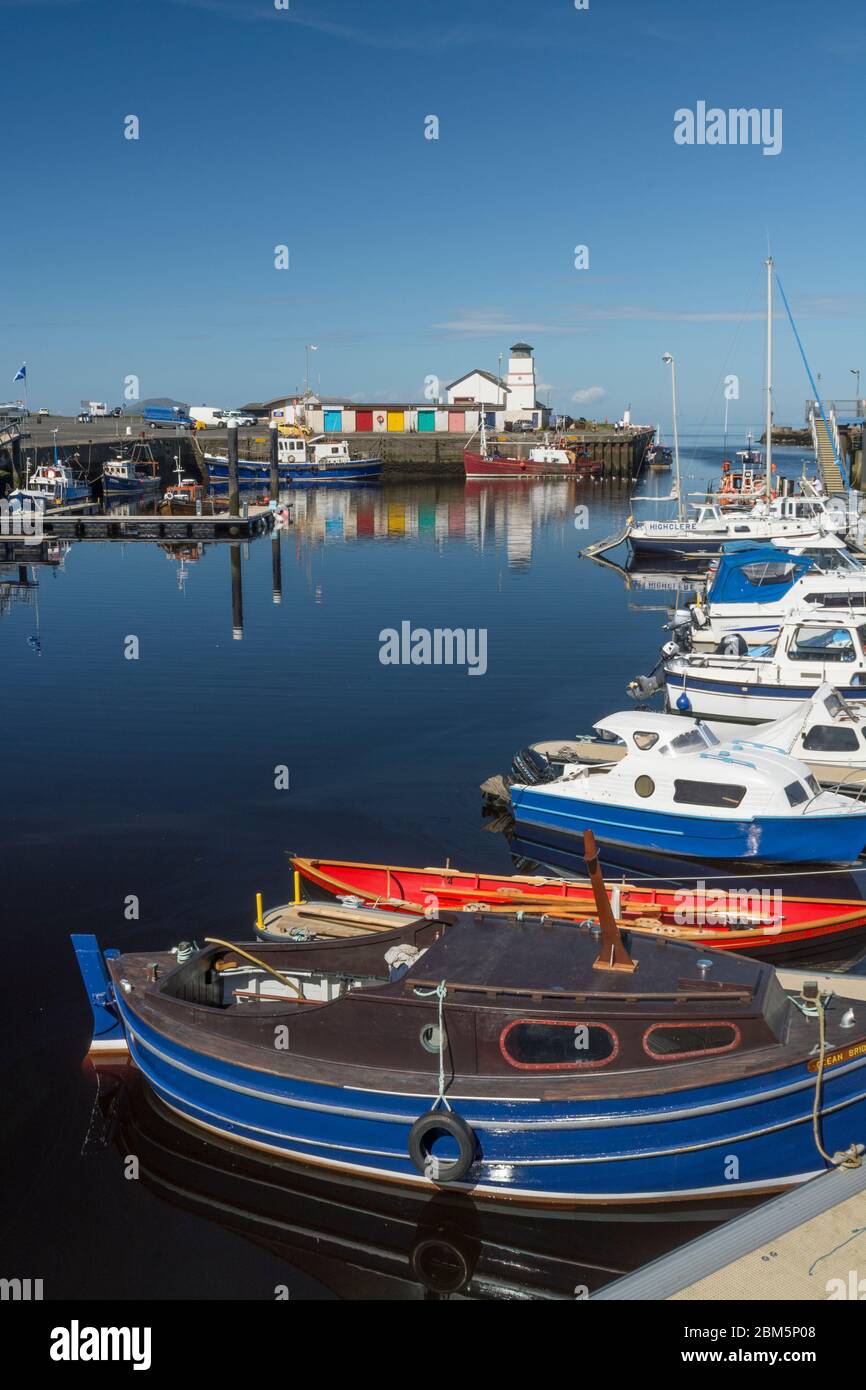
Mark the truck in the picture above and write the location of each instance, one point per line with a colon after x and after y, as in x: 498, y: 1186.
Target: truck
x: 169, y: 417
x: 96, y: 410
x: 207, y: 417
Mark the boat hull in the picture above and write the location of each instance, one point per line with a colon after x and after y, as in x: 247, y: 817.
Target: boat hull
x: 810, y: 839
x: 477, y: 466
x: 252, y: 474
x: 643, y: 1149
x: 743, y: 701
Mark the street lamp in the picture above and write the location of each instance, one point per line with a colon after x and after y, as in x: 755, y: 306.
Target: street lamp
x: 310, y: 347
x: 669, y: 361
x: 855, y: 372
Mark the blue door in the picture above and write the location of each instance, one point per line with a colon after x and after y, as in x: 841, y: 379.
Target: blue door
x: 490, y: 419
x: 333, y: 421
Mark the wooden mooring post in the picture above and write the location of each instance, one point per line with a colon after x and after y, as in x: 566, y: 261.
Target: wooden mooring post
x: 275, y: 465
x: 237, y: 592
x: 234, y: 489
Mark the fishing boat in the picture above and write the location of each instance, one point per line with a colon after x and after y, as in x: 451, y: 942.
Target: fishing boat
x: 752, y: 591
x: 755, y: 685
x: 136, y: 474
x: 509, y: 1059
x: 50, y: 485
x: 763, y: 924
x: 826, y: 732
x: 542, y: 461
x: 300, y: 463
x: 679, y: 794
x: 739, y: 487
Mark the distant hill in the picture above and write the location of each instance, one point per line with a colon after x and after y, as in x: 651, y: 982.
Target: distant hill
x: 139, y: 406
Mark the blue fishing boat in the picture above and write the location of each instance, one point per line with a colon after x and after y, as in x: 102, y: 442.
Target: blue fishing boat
x: 535, y: 1059
x: 301, y: 463
x: 680, y: 793
x: 133, y: 475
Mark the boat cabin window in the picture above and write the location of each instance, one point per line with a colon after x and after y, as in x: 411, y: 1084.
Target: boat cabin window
x: 646, y: 740
x: 822, y: 644
x: 830, y: 738
x: 556, y: 1045
x: 771, y: 572
x: 796, y: 793
x: 707, y: 793
x: 644, y: 786
x: 693, y: 740
x: 668, y: 1042
x: 849, y: 600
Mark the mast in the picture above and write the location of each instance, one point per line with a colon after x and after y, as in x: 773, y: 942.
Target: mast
x: 769, y: 467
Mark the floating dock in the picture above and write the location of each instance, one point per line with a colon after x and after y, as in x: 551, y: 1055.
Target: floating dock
x: 83, y: 524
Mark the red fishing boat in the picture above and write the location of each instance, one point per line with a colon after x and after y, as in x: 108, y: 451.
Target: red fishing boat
x: 543, y: 461
x: 767, y: 925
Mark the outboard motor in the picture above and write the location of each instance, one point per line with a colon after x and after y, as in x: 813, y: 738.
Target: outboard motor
x: 733, y: 644
x: 644, y: 687
x: 530, y: 768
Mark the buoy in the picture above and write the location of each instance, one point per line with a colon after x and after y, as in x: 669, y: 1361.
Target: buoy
x: 683, y: 702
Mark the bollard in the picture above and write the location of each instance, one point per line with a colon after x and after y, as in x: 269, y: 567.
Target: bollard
x: 234, y: 490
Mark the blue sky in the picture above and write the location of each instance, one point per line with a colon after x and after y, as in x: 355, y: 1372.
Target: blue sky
x: 412, y: 257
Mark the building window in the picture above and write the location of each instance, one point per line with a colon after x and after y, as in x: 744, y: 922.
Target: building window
x: 556, y: 1045
x: 669, y: 1042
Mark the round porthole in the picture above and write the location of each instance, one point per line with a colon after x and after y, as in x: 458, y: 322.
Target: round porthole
x: 430, y: 1037
x: 644, y: 786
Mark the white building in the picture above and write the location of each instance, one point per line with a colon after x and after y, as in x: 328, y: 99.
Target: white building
x: 515, y: 397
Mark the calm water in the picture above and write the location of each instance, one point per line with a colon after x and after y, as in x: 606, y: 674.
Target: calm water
x: 155, y: 777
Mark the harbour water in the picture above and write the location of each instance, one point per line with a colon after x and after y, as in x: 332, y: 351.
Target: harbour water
x: 163, y: 701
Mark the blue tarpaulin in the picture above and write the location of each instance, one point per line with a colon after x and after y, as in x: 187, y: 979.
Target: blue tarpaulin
x: 761, y: 574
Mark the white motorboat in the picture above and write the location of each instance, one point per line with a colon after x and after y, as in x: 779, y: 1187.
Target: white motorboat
x: 827, y: 733
x: 680, y: 792
x: 758, y: 685
x: 750, y: 592
x: 51, y: 485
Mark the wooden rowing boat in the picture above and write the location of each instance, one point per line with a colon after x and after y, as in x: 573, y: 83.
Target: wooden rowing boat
x: 768, y: 925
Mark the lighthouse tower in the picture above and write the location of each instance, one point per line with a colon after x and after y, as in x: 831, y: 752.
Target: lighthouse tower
x: 521, y: 379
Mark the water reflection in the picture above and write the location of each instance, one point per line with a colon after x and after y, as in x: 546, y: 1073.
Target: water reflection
x: 363, y: 1239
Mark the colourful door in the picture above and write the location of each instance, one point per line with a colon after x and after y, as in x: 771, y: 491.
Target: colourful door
x: 427, y: 420
x: 363, y: 421
x: 395, y: 421
x: 490, y: 419
x: 333, y: 421
x: 456, y: 422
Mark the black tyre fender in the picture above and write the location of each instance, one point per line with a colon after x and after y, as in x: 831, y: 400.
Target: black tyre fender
x: 421, y: 1136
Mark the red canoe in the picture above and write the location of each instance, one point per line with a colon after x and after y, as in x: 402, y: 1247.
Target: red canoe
x: 769, y: 925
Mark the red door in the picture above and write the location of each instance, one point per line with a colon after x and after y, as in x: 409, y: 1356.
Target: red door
x: 364, y: 420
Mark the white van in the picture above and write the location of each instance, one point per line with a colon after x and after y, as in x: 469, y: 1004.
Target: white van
x: 207, y: 417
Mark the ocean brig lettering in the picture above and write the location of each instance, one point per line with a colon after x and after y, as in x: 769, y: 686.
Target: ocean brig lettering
x: 736, y: 126
x: 439, y: 646
x: 77, y: 1343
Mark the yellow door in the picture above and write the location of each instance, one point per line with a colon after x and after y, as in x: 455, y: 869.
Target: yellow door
x: 395, y: 420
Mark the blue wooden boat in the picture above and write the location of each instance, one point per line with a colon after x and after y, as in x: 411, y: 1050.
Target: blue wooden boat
x: 546, y: 1061
x: 680, y: 793
x: 300, y: 463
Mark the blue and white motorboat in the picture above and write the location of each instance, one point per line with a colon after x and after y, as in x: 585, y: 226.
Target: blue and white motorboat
x: 50, y: 485
x: 300, y: 463
x: 752, y: 591
x: 755, y: 685
x: 548, y: 1061
x: 133, y: 475
x: 784, y: 519
x: 680, y: 793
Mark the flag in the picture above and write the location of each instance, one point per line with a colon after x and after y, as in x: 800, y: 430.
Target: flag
x: 21, y: 373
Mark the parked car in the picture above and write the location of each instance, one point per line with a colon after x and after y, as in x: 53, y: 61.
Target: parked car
x: 43, y: 413
x: 524, y: 426
x: 234, y: 417
x: 85, y: 417
x: 116, y: 412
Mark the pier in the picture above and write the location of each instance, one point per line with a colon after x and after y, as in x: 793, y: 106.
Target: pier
x: 85, y: 523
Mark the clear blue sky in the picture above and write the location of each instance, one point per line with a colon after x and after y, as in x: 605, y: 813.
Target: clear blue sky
x: 412, y: 257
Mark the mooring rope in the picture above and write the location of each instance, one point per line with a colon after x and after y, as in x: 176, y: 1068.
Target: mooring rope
x: 846, y: 1158
x: 440, y: 992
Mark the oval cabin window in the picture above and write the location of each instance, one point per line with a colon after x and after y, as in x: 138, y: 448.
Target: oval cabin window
x: 667, y: 1042
x: 644, y: 786
x: 550, y: 1044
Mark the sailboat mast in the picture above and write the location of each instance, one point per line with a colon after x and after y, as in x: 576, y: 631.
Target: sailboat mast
x: 769, y: 371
